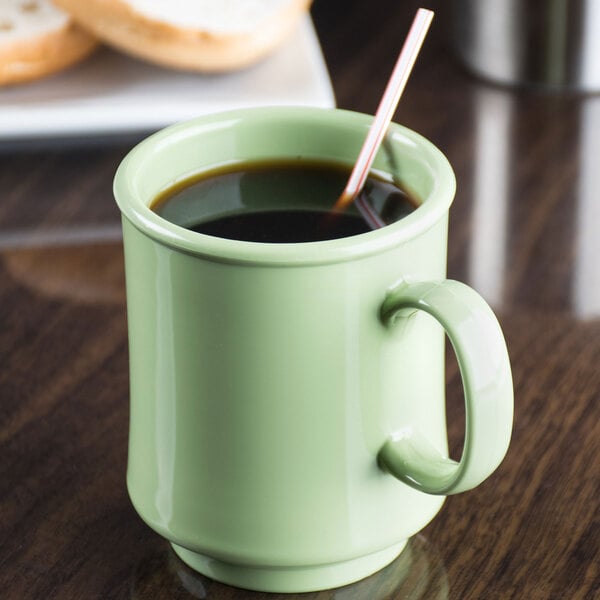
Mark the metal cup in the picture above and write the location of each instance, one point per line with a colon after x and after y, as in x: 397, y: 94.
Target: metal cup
x: 553, y: 44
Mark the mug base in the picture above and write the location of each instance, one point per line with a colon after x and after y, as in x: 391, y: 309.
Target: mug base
x: 290, y: 579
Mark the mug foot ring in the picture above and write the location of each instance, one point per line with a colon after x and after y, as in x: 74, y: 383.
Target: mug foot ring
x: 290, y: 579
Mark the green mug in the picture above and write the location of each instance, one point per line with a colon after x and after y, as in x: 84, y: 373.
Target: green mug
x: 287, y: 427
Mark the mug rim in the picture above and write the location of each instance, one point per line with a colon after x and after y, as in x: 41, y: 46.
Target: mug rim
x: 434, y: 207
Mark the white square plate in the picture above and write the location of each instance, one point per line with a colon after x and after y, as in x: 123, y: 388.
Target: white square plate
x: 111, y: 93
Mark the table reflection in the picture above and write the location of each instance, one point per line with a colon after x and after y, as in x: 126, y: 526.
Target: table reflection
x: 548, y: 226
x: 586, y: 288
x: 90, y: 273
x: 417, y: 574
x: 493, y: 114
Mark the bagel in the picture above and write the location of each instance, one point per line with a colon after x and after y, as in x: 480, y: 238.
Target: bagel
x: 197, y: 35
x: 37, y: 39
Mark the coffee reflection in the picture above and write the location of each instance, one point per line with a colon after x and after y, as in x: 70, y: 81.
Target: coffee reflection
x: 417, y: 574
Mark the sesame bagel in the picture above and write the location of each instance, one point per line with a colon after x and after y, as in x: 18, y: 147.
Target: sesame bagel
x: 199, y: 35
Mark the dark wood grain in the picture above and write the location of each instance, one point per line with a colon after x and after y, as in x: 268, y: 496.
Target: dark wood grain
x: 523, y: 231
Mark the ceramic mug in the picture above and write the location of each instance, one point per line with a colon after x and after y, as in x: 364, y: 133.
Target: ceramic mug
x: 287, y: 428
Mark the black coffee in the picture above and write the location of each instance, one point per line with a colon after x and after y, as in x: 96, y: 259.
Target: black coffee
x: 278, y: 202
x: 283, y: 226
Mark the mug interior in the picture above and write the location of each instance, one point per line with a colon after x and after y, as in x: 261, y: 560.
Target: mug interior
x: 184, y: 151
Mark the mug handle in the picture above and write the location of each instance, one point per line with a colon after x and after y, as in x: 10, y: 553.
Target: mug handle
x: 484, y: 366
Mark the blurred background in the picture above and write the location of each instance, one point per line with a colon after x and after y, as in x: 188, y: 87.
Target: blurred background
x: 507, y: 90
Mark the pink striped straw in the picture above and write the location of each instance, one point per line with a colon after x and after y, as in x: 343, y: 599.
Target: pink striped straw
x: 383, y: 116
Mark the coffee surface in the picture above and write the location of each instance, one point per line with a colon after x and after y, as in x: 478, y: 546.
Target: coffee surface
x: 278, y: 202
x: 284, y: 226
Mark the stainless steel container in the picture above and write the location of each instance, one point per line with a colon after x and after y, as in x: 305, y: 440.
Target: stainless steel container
x: 544, y: 43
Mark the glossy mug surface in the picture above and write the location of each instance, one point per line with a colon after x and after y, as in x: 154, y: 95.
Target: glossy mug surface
x: 287, y: 428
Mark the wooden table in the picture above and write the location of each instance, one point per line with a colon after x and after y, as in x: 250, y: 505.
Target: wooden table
x: 524, y: 231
